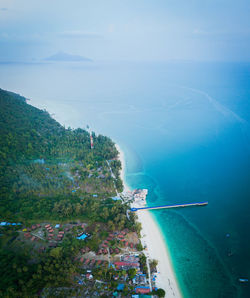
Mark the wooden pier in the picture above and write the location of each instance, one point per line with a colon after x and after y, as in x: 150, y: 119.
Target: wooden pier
x: 170, y: 206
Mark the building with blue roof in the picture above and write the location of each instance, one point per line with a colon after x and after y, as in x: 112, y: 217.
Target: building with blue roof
x: 120, y: 287
x: 82, y: 237
x: 5, y: 223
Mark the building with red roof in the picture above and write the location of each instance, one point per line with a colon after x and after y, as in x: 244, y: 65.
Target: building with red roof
x: 89, y: 276
x: 87, y: 261
x: 27, y: 235
x: 121, y: 265
x: 142, y: 290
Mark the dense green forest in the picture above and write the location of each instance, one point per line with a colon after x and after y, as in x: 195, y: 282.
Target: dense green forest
x: 44, y: 165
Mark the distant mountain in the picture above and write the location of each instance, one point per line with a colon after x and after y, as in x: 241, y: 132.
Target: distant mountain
x: 61, y: 56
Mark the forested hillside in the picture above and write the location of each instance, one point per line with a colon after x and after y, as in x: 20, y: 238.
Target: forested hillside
x: 43, y: 164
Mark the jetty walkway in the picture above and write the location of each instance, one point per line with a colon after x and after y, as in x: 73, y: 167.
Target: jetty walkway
x: 170, y: 206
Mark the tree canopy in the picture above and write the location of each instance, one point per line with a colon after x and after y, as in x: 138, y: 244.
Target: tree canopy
x: 41, y: 159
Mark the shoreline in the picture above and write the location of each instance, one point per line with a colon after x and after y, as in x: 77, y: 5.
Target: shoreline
x: 156, y: 248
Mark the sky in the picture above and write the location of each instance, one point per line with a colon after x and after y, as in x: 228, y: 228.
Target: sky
x: 136, y: 30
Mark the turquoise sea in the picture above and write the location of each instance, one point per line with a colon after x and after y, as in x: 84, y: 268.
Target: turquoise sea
x: 184, y: 129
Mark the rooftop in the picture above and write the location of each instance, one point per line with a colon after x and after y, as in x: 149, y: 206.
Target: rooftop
x: 82, y: 237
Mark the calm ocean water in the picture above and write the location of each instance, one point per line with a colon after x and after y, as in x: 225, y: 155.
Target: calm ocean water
x: 184, y: 128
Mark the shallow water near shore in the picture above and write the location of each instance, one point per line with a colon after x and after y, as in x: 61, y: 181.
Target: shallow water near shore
x: 184, y: 129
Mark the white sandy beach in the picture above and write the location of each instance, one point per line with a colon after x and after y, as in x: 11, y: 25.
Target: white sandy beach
x: 155, y: 246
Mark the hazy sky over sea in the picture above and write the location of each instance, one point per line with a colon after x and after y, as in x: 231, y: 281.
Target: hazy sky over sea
x: 125, y: 30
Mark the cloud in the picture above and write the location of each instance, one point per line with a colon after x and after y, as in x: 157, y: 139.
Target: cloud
x: 79, y: 34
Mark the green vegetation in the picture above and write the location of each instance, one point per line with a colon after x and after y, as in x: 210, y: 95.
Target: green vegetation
x: 49, y: 174
x: 143, y: 262
x: 160, y: 293
x: 22, y: 278
x: 48, y: 171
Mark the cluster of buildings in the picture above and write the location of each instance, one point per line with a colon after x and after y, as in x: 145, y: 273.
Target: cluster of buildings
x: 48, y: 232
x: 126, y: 265
x: 32, y: 228
x: 5, y: 223
x: 118, y: 236
x: 128, y: 262
x: 139, y: 283
x: 90, y: 263
x: 120, y: 244
x: 29, y: 235
x: 53, y: 234
x: 139, y: 196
